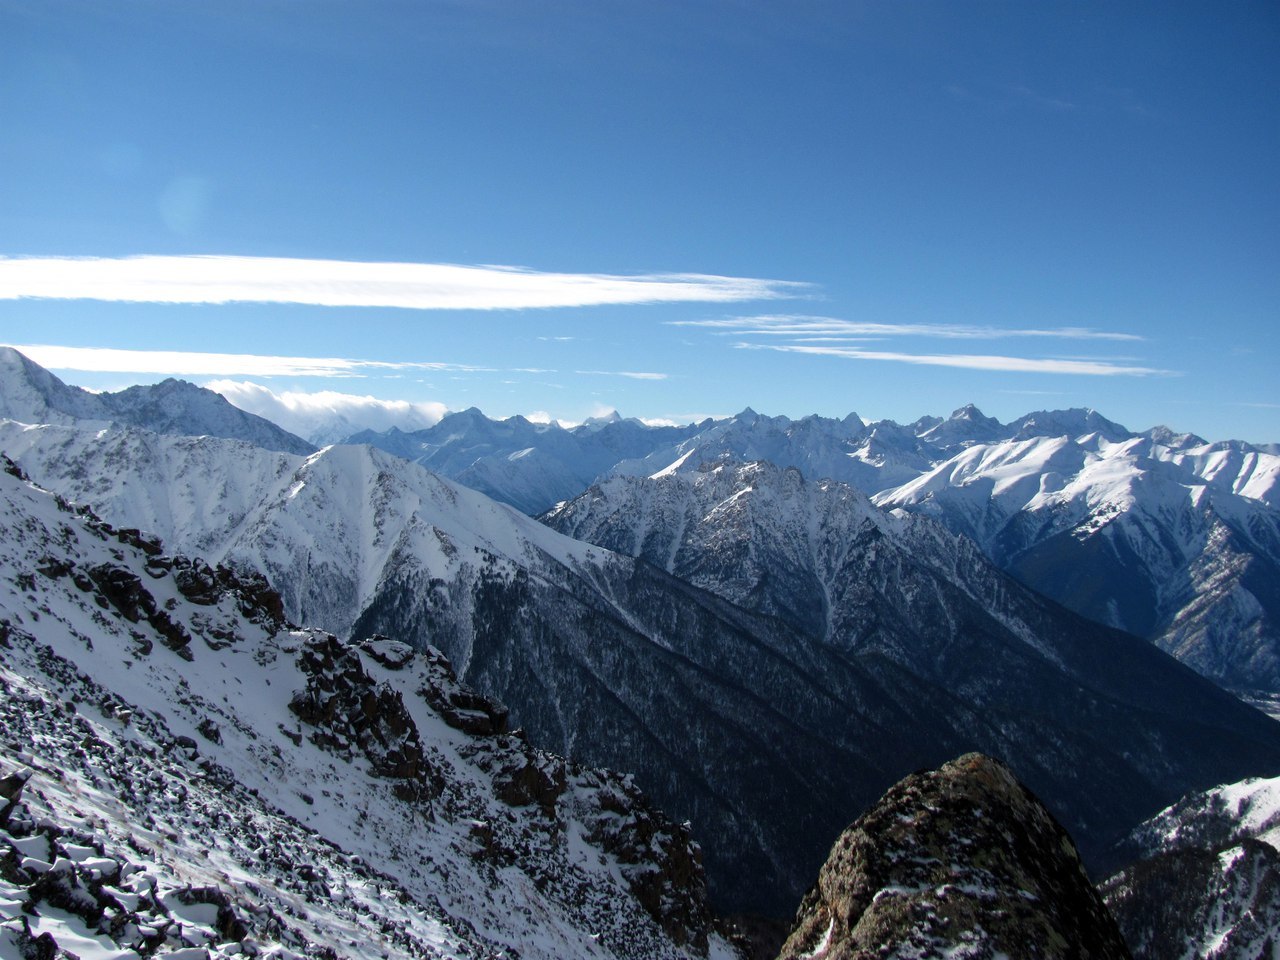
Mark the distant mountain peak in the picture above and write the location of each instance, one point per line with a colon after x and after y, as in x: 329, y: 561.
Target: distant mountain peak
x: 31, y: 394
x: 969, y: 411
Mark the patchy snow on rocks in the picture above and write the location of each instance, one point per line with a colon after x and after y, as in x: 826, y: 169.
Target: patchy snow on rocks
x: 184, y: 775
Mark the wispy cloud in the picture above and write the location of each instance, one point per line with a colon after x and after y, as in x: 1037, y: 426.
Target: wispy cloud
x: 630, y: 374
x: 342, y: 283
x: 1009, y: 96
x: 831, y: 336
x: 325, y: 416
x: 191, y: 364
x: 789, y: 325
x: 1093, y: 368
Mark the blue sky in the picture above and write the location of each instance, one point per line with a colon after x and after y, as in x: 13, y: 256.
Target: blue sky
x: 918, y: 204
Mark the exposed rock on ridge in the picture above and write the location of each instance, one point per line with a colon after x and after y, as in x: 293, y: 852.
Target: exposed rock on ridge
x: 962, y: 861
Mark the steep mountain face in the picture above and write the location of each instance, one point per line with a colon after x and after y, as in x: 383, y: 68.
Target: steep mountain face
x: 755, y: 534
x: 1181, y: 546
x: 596, y: 655
x: 185, y: 775
x: 725, y: 714
x: 960, y: 861
x: 886, y: 589
x: 1205, y: 878
x: 31, y: 394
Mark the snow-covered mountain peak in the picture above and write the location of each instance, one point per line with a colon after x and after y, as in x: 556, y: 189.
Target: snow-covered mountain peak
x: 966, y: 425
x: 613, y: 416
x: 31, y: 394
x: 1076, y: 422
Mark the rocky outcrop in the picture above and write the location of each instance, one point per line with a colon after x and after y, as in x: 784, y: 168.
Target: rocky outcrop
x: 349, y: 712
x: 959, y: 861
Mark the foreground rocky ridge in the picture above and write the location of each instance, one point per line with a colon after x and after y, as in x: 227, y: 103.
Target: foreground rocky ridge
x: 957, y: 862
x: 184, y: 775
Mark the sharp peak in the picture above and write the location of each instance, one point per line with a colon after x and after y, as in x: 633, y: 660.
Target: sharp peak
x: 13, y: 357
x: 969, y: 411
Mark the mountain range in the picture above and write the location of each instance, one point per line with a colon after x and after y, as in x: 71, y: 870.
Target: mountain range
x: 31, y: 394
x: 1161, y: 534
x: 804, y: 652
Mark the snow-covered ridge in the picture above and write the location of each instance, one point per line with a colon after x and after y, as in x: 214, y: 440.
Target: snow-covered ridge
x: 31, y: 394
x: 1176, y: 544
x: 184, y: 775
x: 328, y: 527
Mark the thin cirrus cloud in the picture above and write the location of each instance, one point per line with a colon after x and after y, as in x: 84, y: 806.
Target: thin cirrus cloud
x: 829, y: 336
x: 192, y: 364
x: 1093, y: 368
x: 629, y: 374
x: 342, y: 283
x: 786, y: 325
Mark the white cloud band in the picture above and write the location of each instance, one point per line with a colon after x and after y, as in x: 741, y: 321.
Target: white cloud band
x: 326, y: 416
x: 629, y: 374
x: 342, y: 283
x: 189, y: 364
x: 1093, y: 368
x: 786, y: 325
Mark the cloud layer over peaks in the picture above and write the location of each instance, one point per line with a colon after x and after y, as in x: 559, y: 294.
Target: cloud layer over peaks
x: 343, y: 283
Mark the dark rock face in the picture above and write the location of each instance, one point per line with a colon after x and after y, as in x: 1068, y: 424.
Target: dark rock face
x: 349, y: 711
x: 1200, y: 903
x: 959, y: 861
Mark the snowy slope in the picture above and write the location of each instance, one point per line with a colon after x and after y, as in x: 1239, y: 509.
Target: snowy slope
x: 1205, y: 878
x: 203, y: 777
x: 31, y: 394
x: 1181, y: 546
x: 327, y: 528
